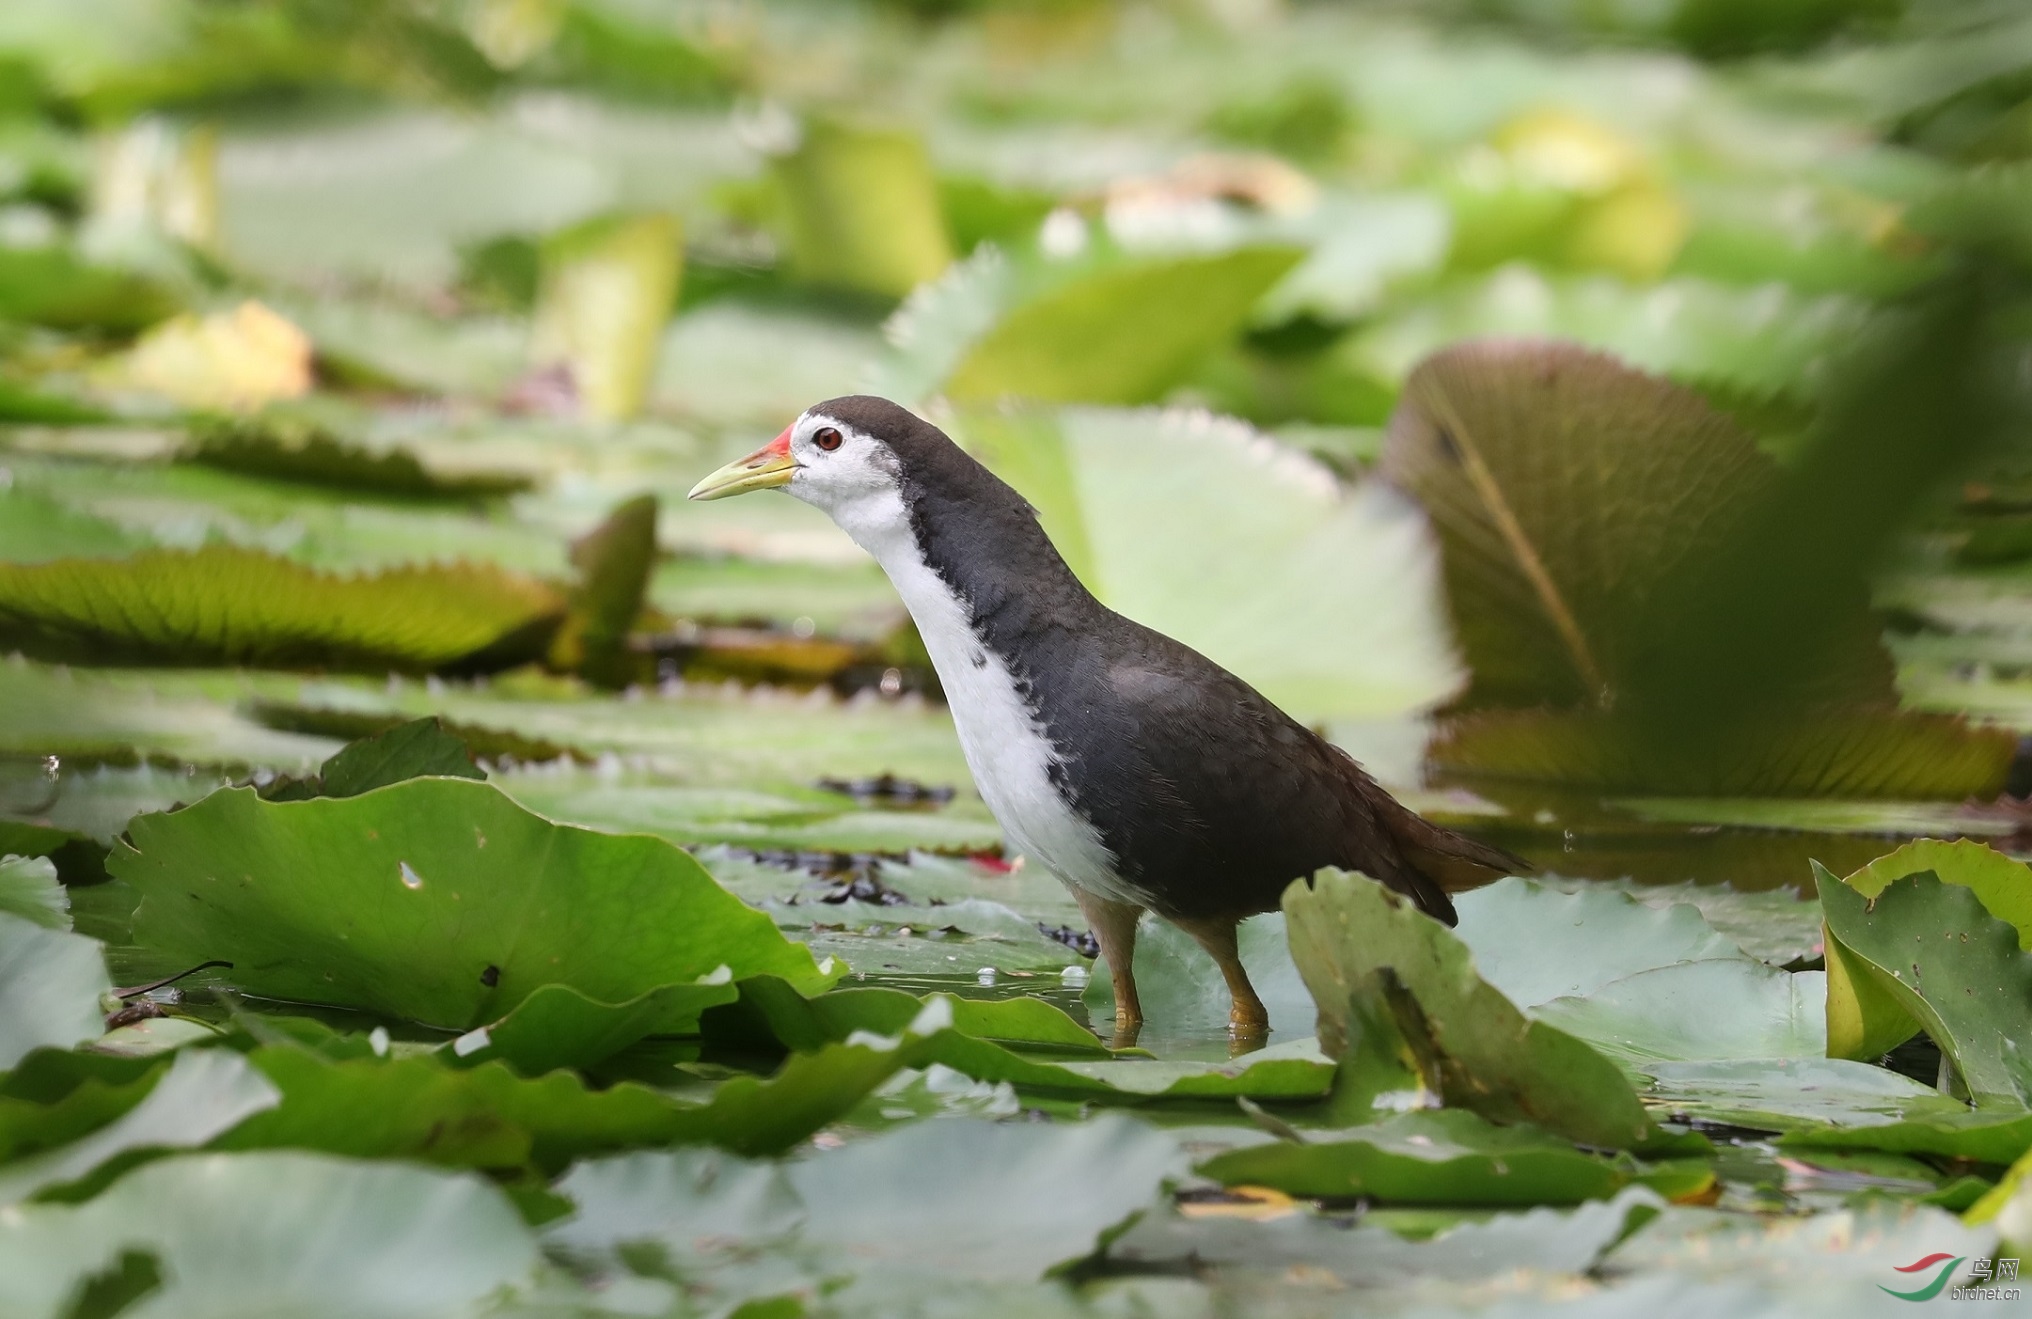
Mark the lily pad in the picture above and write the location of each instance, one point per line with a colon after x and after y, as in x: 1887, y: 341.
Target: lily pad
x: 29, y: 889
x: 1536, y: 944
x: 393, y: 1241
x: 1949, y: 1130
x: 1762, y: 342
x: 1448, y: 1156
x: 557, y: 1026
x: 50, y: 983
x: 1936, y: 951
x: 203, y: 1093
x: 224, y: 605
x: 1721, y: 1008
x: 52, y: 1097
x: 487, y: 1116
x: 1014, y: 1040
x: 295, y: 449
x: 1791, y: 1094
x: 418, y: 749
x: 1853, y: 754
x: 1373, y: 962
x: 1102, y: 328
x: 436, y: 899
x: 948, y: 1197
x: 2003, y: 884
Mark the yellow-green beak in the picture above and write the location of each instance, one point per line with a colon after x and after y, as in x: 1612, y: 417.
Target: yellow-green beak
x: 765, y: 469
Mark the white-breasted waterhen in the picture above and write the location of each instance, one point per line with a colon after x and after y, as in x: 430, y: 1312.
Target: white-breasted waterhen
x: 1139, y: 772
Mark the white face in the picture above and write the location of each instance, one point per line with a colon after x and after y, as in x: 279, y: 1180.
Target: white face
x: 849, y: 475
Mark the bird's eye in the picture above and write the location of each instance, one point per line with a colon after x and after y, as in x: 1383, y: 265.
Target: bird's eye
x: 827, y: 438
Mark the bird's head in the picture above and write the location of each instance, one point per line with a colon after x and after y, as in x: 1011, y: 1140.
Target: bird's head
x: 846, y: 456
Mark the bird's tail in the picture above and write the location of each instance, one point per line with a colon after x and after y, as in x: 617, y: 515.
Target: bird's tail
x: 1445, y: 862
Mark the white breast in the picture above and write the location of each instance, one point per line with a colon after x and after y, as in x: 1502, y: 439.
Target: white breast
x: 1006, y: 749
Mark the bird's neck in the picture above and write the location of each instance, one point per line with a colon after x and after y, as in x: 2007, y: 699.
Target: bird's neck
x: 975, y: 573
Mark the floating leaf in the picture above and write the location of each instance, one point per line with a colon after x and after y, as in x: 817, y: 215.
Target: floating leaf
x: 223, y: 605
x: 1102, y: 329
x: 614, y: 561
x: 1763, y: 342
x: 292, y: 449
x: 203, y: 1093
x: 1448, y: 1156
x: 999, y: 1041
x: 50, y: 983
x: 52, y: 1097
x: 35, y: 527
x: 1566, y: 487
x: 1470, y: 1250
x: 1864, y: 1018
x: 1323, y: 599
x: 1949, y: 1130
x: 1853, y: 753
x: 390, y: 1240
x: 862, y: 208
x: 1722, y: 1008
x: 487, y: 1116
x: 557, y: 1026
x: 29, y: 889
x: 418, y: 749
x: 1374, y: 963
x: 608, y: 286
x: 1790, y: 1094
x: 2003, y: 885
x: 51, y: 286
x: 953, y: 1197
x: 436, y: 899
x: 1536, y: 944
x: 1936, y: 951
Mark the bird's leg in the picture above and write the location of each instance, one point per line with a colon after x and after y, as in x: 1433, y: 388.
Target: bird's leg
x: 1248, y: 1018
x: 1114, y: 927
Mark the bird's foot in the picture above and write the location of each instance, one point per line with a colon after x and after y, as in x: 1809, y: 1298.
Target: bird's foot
x: 1127, y: 1028
x: 1248, y: 1025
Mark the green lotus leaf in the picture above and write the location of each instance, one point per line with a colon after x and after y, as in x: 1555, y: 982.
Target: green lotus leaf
x: 1026, y: 1042
x: 390, y: 1240
x: 50, y: 983
x: 287, y: 448
x: 418, y: 749
x: 1935, y: 951
x: 1850, y: 753
x: 1535, y: 943
x: 1948, y: 1130
x: 53, y: 1096
x: 436, y: 899
x: 557, y: 1026
x: 1722, y: 1008
x: 223, y: 605
x: 29, y: 889
x: 949, y: 1197
x: 203, y: 1093
x: 1375, y: 964
x: 1447, y: 1156
x: 1103, y: 328
x: 1703, y: 333
x: 487, y: 1116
